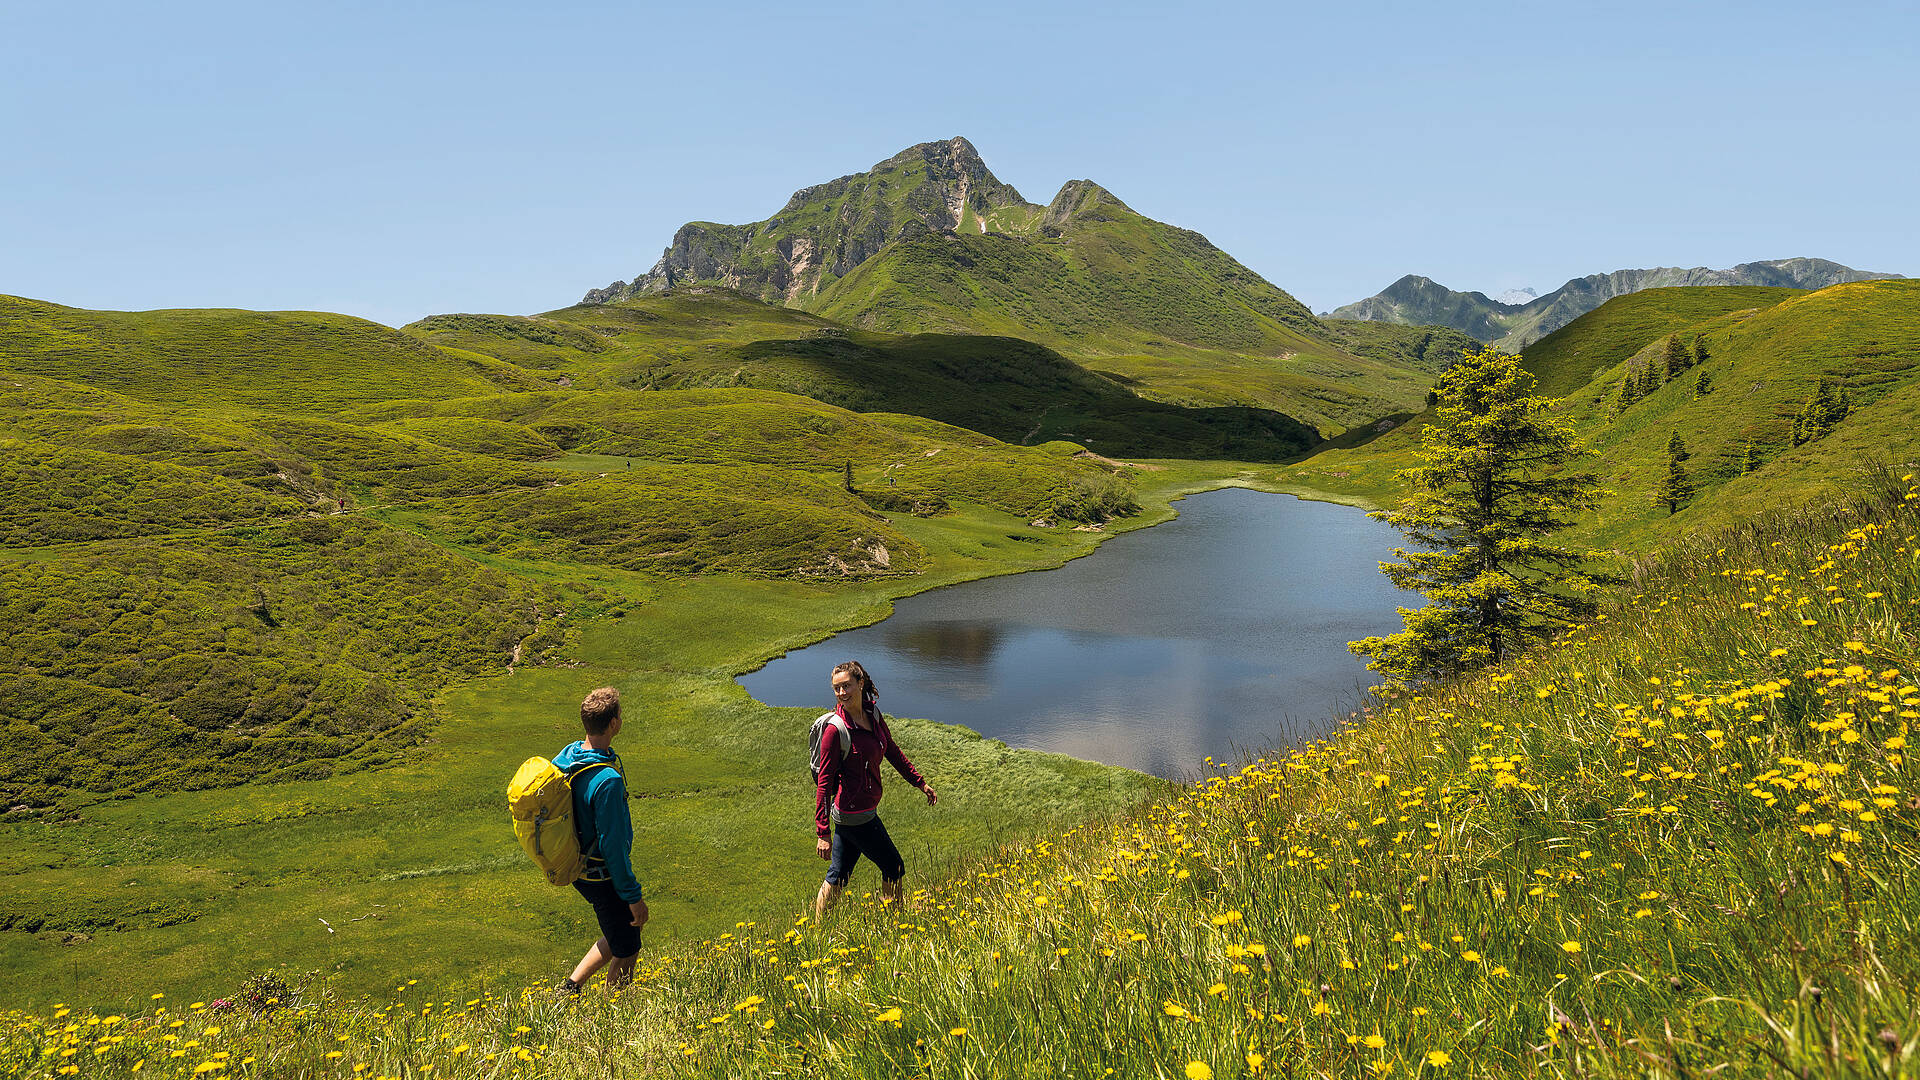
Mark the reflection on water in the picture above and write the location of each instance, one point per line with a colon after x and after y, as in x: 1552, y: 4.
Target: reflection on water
x: 960, y: 644
x: 1224, y: 630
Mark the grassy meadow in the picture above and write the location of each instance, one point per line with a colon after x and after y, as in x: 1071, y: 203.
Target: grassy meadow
x: 1767, y: 351
x: 272, y: 656
x: 1676, y: 842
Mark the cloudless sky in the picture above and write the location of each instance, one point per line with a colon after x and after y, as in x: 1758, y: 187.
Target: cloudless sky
x: 394, y: 160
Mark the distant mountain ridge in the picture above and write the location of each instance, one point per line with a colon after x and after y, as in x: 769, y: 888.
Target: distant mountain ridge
x: 1419, y: 301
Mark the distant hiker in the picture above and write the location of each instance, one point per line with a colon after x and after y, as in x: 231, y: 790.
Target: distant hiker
x: 606, y: 840
x: 846, y: 808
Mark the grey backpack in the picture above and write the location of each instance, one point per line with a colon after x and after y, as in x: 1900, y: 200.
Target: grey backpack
x: 817, y: 734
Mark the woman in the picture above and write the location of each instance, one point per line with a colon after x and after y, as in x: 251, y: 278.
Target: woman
x: 846, y: 805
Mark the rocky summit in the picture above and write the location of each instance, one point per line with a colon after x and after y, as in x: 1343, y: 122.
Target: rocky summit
x: 824, y: 231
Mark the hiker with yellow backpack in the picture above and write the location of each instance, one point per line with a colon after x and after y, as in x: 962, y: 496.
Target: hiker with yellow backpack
x: 571, y: 815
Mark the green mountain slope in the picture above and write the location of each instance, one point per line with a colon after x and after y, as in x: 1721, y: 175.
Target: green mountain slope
x: 1416, y: 300
x: 930, y: 242
x: 1011, y: 389
x: 1763, y: 364
x: 1564, y: 360
x: 247, y: 546
x: 265, y: 359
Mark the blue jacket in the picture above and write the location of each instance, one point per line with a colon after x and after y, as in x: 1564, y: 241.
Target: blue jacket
x: 600, y: 814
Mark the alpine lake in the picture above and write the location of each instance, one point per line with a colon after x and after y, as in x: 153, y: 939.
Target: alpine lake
x: 1218, y: 635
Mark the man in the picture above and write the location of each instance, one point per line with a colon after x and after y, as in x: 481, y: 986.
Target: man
x: 606, y: 840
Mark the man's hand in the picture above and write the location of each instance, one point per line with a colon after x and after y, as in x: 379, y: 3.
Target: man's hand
x: 931, y: 797
x: 825, y: 848
x: 639, y: 909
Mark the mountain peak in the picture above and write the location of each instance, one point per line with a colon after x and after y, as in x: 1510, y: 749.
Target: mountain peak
x: 1082, y: 200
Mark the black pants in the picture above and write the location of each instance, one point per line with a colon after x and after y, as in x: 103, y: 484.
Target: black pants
x: 869, y: 839
x: 616, y: 918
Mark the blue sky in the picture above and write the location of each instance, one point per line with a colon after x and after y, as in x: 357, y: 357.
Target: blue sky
x: 397, y: 160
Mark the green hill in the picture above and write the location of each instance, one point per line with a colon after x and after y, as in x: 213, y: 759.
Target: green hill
x: 1677, y: 841
x: 288, y: 595
x: 1012, y: 389
x: 263, y: 541
x: 1418, y: 300
x: 1768, y: 352
x: 929, y: 242
x: 1566, y: 359
x: 259, y: 359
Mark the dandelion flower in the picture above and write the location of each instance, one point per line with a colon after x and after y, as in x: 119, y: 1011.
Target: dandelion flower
x: 1570, y: 947
x: 1439, y: 1059
x: 1199, y: 1070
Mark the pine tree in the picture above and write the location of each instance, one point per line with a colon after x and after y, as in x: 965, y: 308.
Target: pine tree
x: 848, y: 480
x: 1702, y: 386
x: 1676, y: 450
x: 1626, y: 398
x: 1650, y: 379
x: 1749, y: 458
x: 1676, y: 488
x: 1823, y: 410
x: 1699, y: 348
x: 1490, y: 488
x: 1678, y: 359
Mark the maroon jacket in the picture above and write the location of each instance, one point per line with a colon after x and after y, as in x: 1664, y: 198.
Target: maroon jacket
x: 851, y: 784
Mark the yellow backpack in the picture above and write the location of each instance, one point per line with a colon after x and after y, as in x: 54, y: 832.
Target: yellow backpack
x: 541, y: 800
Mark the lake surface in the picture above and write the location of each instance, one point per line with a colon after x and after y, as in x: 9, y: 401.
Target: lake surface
x: 1223, y: 630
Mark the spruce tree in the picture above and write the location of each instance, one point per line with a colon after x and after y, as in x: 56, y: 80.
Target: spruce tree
x: 1699, y: 348
x: 847, y: 480
x: 1676, y: 488
x: 1490, y: 488
x: 1824, y: 408
x: 1749, y: 458
x: 1702, y: 386
x: 1676, y: 450
x: 1650, y: 379
x: 1678, y: 359
x: 1626, y: 398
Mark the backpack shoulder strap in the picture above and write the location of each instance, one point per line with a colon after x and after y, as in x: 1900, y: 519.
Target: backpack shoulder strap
x: 843, y: 733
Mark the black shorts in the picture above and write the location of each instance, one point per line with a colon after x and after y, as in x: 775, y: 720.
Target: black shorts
x: 869, y: 839
x: 616, y: 918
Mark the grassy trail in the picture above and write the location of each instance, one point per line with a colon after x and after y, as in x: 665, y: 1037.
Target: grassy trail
x: 412, y: 871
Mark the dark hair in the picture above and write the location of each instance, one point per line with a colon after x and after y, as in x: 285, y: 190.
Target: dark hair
x: 868, y: 692
x: 600, y: 710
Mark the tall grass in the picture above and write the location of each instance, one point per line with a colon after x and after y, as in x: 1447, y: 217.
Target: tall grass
x: 1678, y: 842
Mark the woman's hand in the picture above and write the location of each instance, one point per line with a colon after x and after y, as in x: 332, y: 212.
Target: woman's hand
x: 931, y: 797
x: 825, y: 848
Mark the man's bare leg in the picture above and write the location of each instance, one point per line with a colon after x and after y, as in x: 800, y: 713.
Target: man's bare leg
x: 828, y: 896
x: 596, y: 958
x: 620, y: 971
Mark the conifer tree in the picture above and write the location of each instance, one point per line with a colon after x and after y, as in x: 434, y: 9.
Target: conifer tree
x: 1676, y: 450
x: 1676, y: 488
x: 1823, y: 410
x: 1749, y: 458
x: 1626, y: 396
x: 1699, y: 348
x: 1650, y: 379
x: 848, y: 479
x: 1702, y: 386
x: 1678, y: 359
x: 1490, y: 488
